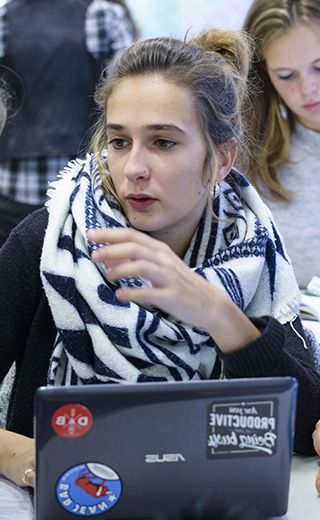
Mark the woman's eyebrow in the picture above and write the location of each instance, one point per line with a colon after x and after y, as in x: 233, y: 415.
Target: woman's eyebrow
x: 285, y: 68
x: 166, y: 126
x: 111, y: 126
x: 156, y: 126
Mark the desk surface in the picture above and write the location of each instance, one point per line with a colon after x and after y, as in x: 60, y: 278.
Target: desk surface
x: 304, y: 502
x: 15, y: 502
x: 314, y: 326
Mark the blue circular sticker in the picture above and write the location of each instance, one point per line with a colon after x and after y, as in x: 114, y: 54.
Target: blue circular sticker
x: 88, y: 489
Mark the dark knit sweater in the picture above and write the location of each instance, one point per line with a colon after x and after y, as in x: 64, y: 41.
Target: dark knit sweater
x: 27, y: 334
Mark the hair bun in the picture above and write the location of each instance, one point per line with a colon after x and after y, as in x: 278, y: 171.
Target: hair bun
x: 234, y: 46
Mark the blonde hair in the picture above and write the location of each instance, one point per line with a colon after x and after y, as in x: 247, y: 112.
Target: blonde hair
x: 212, y: 67
x: 266, y: 21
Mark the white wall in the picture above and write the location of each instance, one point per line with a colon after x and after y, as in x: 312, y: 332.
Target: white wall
x: 176, y: 17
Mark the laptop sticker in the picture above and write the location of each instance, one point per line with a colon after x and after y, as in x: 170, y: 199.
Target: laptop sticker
x: 243, y: 428
x: 71, y: 421
x: 89, y: 489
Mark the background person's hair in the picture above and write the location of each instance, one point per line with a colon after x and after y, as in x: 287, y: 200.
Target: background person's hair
x: 266, y: 21
x: 212, y: 67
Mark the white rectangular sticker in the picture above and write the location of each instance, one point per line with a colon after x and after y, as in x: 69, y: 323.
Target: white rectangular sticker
x: 245, y: 428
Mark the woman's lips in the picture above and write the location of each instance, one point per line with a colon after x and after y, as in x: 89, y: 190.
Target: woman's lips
x: 140, y: 202
x: 312, y: 106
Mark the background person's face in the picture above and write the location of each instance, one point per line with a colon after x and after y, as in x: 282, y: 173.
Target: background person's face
x: 156, y: 156
x: 293, y: 63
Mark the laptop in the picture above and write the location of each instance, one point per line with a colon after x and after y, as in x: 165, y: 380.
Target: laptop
x: 164, y: 451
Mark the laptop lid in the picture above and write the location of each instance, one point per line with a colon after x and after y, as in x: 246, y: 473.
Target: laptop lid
x: 161, y: 450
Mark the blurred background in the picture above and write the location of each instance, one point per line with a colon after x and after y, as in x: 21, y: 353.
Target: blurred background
x: 176, y: 17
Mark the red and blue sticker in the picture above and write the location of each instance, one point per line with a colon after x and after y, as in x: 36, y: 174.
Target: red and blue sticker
x: 88, y: 489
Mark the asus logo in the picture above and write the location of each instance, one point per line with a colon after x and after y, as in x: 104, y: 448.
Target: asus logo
x: 166, y: 457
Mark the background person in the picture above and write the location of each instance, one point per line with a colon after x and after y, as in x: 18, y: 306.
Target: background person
x: 194, y: 282
x: 285, y: 159
x: 52, y: 55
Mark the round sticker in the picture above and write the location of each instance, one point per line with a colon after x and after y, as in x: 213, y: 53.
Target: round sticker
x: 89, y: 489
x: 71, y: 420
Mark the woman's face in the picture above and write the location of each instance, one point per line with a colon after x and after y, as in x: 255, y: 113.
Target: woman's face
x: 293, y: 64
x: 156, y: 156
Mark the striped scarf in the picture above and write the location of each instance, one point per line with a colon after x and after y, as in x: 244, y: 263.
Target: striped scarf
x: 101, y: 339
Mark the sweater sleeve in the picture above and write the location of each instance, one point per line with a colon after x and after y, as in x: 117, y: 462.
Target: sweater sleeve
x: 282, y: 350
x: 20, y: 286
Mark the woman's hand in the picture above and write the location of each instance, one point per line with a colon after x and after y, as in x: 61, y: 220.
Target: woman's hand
x: 17, y: 458
x: 175, y: 288
x: 316, y: 438
x: 318, y: 481
x: 316, y: 444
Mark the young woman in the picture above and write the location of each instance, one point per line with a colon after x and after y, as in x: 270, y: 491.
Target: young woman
x: 156, y: 259
x: 285, y: 160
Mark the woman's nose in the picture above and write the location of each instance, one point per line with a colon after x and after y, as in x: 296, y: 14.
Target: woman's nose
x: 136, y: 167
x: 308, y: 85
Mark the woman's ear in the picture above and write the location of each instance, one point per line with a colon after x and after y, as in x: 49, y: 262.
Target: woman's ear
x: 228, y: 153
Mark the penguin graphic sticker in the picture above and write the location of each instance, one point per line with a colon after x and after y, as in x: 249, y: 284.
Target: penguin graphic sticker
x: 88, y: 489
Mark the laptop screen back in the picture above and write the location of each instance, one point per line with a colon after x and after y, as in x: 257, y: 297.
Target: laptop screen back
x: 161, y: 450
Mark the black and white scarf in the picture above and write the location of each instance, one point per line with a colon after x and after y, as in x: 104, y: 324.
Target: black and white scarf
x: 100, y: 339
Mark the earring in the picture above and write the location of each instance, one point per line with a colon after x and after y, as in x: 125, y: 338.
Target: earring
x: 283, y: 111
x: 215, y: 190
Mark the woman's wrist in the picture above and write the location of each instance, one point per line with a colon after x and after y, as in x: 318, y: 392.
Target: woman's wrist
x: 6, y: 445
x: 17, y: 458
x: 230, y: 328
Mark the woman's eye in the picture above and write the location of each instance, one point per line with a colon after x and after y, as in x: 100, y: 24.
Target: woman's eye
x: 117, y: 143
x: 286, y: 77
x: 165, y: 144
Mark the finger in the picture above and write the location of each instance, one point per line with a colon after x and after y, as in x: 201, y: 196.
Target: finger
x: 316, y: 438
x: 316, y: 444
x: 125, y: 251
x: 118, y: 235
x: 318, y: 482
x: 139, y: 269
